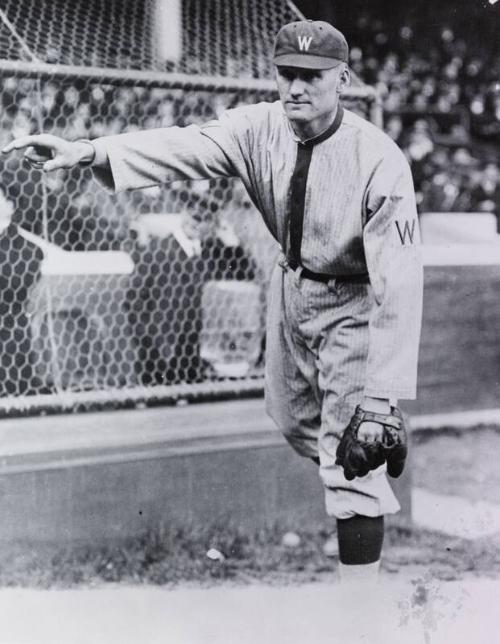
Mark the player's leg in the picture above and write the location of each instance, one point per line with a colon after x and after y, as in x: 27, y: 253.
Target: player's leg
x: 292, y: 397
x: 359, y: 505
x: 360, y: 540
x: 316, y: 359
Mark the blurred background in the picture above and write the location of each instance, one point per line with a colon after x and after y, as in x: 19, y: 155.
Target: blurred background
x: 158, y: 290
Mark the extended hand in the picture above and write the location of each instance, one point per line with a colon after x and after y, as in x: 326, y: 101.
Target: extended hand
x: 48, y: 152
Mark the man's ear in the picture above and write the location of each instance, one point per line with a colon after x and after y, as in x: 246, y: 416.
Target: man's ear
x: 345, y: 79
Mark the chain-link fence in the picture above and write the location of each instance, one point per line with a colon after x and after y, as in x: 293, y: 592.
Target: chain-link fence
x: 154, y: 294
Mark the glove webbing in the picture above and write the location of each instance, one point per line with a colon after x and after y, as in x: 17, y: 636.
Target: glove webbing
x: 382, y: 419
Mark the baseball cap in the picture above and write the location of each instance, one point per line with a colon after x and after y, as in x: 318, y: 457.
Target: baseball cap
x: 312, y: 44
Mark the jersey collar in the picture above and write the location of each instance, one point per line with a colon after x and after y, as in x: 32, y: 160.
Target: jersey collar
x: 326, y: 134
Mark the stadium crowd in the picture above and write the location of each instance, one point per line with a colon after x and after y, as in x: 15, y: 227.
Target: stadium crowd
x: 442, y: 105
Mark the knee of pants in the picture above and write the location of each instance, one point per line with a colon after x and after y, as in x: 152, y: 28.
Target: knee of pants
x: 302, y: 445
x: 370, y: 495
x: 303, y: 440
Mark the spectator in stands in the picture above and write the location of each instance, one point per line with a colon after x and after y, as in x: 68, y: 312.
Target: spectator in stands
x: 394, y: 127
x: 485, y: 108
x: 165, y: 299
x: 418, y: 145
x: 20, y: 262
x: 485, y: 195
x: 447, y: 184
x: 447, y: 72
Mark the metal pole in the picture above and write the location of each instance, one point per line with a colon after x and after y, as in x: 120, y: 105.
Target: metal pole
x: 377, y: 110
x: 166, y: 80
x: 124, y: 77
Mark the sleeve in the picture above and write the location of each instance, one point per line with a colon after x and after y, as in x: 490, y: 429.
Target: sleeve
x: 393, y: 254
x: 152, y: 157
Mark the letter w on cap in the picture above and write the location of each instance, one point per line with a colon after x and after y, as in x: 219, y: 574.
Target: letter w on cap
x: 304, y: 42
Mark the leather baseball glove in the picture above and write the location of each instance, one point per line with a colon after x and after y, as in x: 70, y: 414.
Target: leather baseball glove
x: 358, y: 457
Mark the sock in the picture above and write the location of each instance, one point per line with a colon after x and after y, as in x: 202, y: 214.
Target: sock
x: 364, y: 573
x: 360, y: 539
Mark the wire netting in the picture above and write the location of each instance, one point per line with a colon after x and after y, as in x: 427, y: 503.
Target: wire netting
x: 158, y: 290
x: 219, y: 38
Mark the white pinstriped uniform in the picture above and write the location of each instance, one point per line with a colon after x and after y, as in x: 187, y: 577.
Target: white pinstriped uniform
x: 328, y: 344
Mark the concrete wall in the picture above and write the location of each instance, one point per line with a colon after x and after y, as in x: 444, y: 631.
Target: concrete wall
x: 250, y: 488
x: 106, y: 490
x: 459, y: 366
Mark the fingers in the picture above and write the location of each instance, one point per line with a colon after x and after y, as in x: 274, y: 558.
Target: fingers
x: 18, y: 144
x: 47, y: 152
x: 36, y: 156
x: 59, y: 163
x: 44, y: 152
x: 44, y: 165
x: 35, y: 140
x: 370, y: 432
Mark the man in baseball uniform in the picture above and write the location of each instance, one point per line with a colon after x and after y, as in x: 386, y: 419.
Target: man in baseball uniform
x: 345, y: 297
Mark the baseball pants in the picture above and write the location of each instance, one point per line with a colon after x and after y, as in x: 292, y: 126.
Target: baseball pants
x: 317, y: 346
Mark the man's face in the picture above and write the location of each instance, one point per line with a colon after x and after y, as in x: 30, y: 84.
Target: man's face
x: 310, y: 94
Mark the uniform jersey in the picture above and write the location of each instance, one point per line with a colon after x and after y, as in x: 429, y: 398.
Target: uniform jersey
x: 359, y: 212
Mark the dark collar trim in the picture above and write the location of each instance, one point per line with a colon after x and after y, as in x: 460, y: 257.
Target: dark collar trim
x: 329, y: 130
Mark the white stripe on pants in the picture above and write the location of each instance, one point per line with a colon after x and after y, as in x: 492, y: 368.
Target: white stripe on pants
x: 316, y: 351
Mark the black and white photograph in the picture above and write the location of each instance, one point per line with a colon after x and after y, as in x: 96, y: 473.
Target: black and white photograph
x: 249, y: 321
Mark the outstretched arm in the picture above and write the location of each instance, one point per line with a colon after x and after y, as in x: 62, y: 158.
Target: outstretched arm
x: 134, y: 160
x: 153, y: 157
x: 48, y: 152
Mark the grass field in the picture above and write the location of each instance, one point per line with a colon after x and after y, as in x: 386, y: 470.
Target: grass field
x: 452, y: 462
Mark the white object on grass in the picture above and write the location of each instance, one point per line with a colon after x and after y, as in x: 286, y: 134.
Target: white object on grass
x: 290, y: 540
x: 331, y: 547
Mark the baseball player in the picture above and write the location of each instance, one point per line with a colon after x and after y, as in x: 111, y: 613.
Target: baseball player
x: 346, y: 294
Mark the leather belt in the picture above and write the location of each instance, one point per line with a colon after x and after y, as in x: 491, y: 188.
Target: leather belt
x: 355, y: 278
x: 315, y: 277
